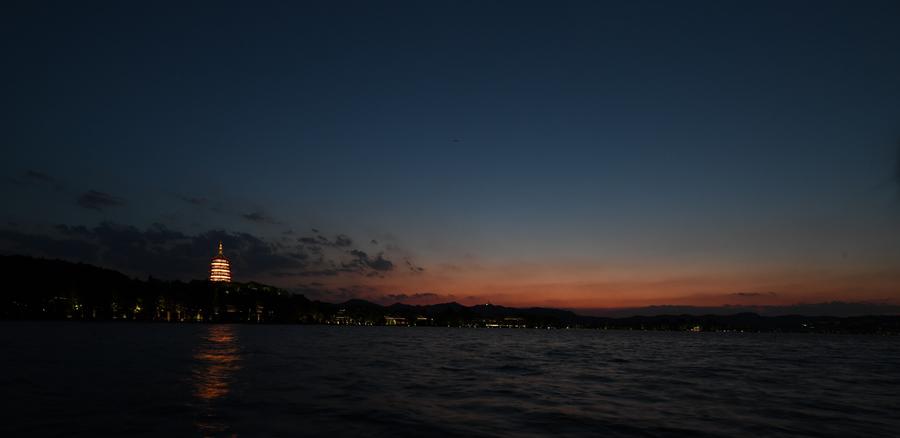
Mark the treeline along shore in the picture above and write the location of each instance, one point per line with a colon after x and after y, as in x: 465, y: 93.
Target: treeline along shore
x: 41, y: 289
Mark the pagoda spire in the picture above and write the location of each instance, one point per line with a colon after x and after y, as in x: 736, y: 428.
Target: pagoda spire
x: 220, y: 248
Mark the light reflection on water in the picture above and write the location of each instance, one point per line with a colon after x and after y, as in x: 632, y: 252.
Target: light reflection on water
x: 249, y: 380
x: 216, y: 359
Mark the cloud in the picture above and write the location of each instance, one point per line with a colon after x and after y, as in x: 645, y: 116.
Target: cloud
x: 753, y: 294
x: 217, y: 206
x: 360, y: 263
x: 39, y: 176
x: 362, y: 260
x: 318, y: 240
x: 322, y: 292
x: 413, y: 268
x: 381, y: 264
x: 342, y: 240
x: 163, y: 252
x: 318, y: 291
x: 37, y: 179
x: 160, y: 251
x: 260, y: 218
x: 420, y: 298
x: 16, y: 242
x: 94, y: 200
x: 193, y: 200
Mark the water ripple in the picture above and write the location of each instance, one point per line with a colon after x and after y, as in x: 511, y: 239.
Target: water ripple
x: 246, y: 380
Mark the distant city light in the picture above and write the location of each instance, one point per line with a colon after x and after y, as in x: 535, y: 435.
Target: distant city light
x: 220, y: 269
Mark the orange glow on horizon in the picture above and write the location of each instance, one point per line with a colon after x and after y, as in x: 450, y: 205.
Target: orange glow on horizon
x: 570, y: 286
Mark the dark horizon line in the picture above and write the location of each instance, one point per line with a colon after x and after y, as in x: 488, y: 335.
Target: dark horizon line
x: 765, y: 310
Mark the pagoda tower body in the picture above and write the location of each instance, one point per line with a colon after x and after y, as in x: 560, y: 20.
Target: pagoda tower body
x: 220, y: 269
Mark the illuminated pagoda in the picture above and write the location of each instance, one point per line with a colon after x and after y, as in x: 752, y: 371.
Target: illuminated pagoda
x: 220, y: 269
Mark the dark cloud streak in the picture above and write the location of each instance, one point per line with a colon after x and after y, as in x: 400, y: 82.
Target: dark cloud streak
x: 753, y: 294
x: 260, y: 218
x: 193, y: 200
x: 417, y: 298
x: 40, y: 176
x: 413, y: 267
x: 99, y: 201
x: 37, y: 179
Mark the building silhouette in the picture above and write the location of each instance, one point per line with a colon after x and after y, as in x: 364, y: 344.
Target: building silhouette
x: 220, y: 269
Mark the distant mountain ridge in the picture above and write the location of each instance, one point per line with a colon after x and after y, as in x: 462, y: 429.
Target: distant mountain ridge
x: 36, y: 288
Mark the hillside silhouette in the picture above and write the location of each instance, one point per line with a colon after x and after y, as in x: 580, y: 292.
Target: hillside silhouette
x: 42, y: 289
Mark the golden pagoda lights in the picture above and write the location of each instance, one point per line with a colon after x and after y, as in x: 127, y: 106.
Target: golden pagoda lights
x: 220, y: 269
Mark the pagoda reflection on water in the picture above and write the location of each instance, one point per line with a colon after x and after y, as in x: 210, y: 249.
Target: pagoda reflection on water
x: 220, y: 269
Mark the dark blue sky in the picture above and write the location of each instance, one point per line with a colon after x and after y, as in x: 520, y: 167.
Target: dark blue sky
x: 566, y: 153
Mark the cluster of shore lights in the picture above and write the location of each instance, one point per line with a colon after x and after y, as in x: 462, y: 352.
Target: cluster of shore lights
x: 220, y: 269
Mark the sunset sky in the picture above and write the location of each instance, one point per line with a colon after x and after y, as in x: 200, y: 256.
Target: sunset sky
x: 593, y: 154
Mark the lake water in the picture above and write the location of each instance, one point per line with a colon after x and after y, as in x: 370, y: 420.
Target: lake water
x: 121, y: 379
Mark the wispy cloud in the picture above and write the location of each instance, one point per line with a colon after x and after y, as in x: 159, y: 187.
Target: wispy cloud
x: 260, y: 218
x: 753, y: 294
x: 40, y: 176
x: 339, y: 241
x: 413, y: 267
x: 416, y: 298
x: 38, y: 179
x: 198, y: 201
x: 99, y: 201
